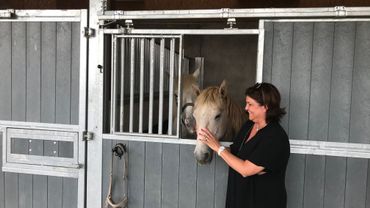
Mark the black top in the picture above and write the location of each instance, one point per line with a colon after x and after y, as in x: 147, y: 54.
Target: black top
x: 270, y: 149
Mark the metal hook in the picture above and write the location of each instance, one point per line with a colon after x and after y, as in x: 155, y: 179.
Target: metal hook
x: 119, y: 149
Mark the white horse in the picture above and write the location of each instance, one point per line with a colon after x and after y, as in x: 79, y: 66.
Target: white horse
x: 215, y: 111
x: 188, y: 97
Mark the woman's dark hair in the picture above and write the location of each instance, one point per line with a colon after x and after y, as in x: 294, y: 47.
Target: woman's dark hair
x: 268, y: 95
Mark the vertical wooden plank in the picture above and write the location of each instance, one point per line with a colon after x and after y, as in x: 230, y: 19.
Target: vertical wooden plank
x: 63, y: 73
x: 268, y: 52
x: 362, y: 75
x: 2, y: 175
x: 359, y: 117
x: 360, y: 104
x: 19, y: 77
x: 70, y: 189
x: 368, y: 186
x: 299, y: 102
x: 355, y: 195
x: 11, y: 187
x: 6, y: 71
x: 320, y: 81
x: 170, y: 176
x: 187, y: 177
x: 33, y: 72
x: 106, y: 164
x: 18, y: 71
x: 294, y: 180
x: 48, y: 54
x: 32, y: 48
x: 335, y: 182
x: 119, y: 184
x: 136, y: 174
x: 314, y: 181
x: 55, y: 192
x: 62, y: 105
x: 282, y: 64
x: 340, y: 98
x: 341, y: 82
x: 322, y: 57
x: 205, y: 185
x: 5, y: 90
x: 153, y: 175
x: 75, y: 73
x: 221, y: 176
x: 34, y: 81
x: 25, y: 190
x: 47, y: 112
x: 40, y: 196
x: 300, y: 80
x: 39, y: 183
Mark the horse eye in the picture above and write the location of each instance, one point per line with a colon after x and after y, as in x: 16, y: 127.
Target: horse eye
x: 218, y: 116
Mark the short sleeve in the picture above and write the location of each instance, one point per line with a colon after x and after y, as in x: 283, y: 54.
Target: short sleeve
x: 271, y: 153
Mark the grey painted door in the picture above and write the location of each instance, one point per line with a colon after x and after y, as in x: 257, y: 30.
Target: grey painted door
x: 40, y: 83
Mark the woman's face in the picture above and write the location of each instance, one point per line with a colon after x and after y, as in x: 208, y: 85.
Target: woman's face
x: 255, y: 111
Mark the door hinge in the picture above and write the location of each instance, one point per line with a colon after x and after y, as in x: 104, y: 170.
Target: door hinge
x: 89, y: 32
x: 87, y: 136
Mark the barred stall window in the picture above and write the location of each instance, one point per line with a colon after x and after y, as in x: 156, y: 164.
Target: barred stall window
x: 144, y: 71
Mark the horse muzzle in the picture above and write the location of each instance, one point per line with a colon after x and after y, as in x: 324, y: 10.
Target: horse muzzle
x: 203, y: 155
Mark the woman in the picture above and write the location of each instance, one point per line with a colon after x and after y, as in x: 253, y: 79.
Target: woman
x: 259, y: 155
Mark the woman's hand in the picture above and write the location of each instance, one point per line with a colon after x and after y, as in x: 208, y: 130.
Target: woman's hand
x: 209, y: 139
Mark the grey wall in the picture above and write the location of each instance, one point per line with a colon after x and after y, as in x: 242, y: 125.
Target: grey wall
x: 39, y: 82
x: 323, y: 73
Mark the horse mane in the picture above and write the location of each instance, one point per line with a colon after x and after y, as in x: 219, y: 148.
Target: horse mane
x: 235, y: 113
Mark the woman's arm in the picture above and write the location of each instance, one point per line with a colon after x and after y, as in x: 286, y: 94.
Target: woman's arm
x: 244, y: 167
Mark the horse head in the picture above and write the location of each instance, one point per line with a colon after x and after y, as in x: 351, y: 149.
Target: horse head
x: 215, y: 111
x: 187, y: 99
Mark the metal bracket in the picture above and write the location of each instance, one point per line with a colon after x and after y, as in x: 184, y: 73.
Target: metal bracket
x: 129, y: 25
x: 225, y: 12
x: 231, y: 22
x: 104, y: 6
x: 89, y: 32
x: 87, y: 136
x: 7, y: 13
x: 340, y: 11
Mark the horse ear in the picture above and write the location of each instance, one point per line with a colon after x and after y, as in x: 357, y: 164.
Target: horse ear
x: 196, y: 73
x: 196, y: 89
x: 223, y: 88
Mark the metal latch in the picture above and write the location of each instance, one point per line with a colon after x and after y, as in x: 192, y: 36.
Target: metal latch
x: 340, y: 11
x: 87, y: 136
x: 89, y: 32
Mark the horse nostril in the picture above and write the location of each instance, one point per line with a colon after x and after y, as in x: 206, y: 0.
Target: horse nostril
x: 206, y: 156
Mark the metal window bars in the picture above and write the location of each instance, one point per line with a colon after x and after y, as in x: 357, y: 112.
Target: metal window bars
x: 143, y: 79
